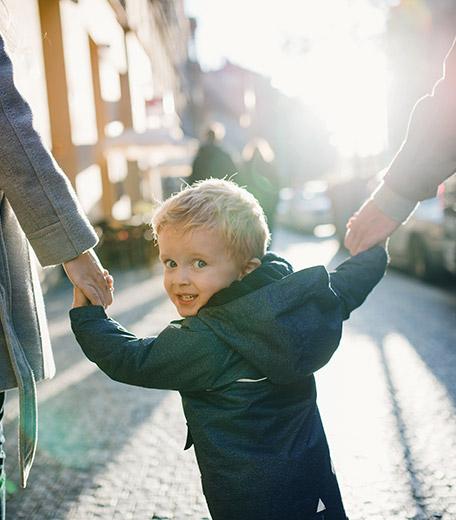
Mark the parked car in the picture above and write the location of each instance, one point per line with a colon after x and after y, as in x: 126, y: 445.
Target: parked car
x: 418, y: 246
x: 304, y: 209
x: 449, y: 239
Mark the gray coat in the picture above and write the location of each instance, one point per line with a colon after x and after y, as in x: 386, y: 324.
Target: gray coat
x: 37, y: 206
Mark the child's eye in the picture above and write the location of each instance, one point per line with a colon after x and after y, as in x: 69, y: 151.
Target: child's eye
x: 170, y: 264
x: 199, y: 264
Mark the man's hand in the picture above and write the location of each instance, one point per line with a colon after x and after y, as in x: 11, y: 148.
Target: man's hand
x: 86, y: 273
x: 368, y: 227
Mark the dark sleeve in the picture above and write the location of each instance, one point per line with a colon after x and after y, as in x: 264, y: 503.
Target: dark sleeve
x: 39, y: 193
x: 228, y: 167
x: 355, y: 278
x: 428, y: 154
x: 177, y: 359
x: 196, y: 168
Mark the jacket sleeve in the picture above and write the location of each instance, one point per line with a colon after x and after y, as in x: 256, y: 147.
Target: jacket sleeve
x: 39, y: 193
x: 177, y: 359
x: 428, y: 155
x: 355, y: 278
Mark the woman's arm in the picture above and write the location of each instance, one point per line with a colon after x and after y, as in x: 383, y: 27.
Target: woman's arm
x: 41, y: 196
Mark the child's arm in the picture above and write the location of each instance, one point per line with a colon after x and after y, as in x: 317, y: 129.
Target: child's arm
x: 179, y: 358
x: 79, y: 299
x: 355, y: 278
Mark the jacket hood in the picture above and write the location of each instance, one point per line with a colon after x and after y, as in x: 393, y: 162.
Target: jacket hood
x: 285, y: 324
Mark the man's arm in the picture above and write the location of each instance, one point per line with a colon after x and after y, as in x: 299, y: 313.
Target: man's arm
x: 425, y: 159
x: 177, y: 359
x: 428, y: 155
x: 41, y: 196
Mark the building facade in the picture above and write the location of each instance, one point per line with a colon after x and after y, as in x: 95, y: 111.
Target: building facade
x: 104, y: 80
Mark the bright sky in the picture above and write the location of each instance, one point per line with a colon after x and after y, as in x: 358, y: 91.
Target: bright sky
x: 327, y: 52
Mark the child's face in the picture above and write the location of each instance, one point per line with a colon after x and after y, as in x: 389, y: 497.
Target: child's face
x: 196, y: 265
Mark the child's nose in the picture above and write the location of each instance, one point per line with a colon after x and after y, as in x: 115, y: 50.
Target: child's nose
x: 182, y: 277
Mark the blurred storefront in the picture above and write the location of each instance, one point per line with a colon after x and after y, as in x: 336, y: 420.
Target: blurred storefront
x: 106, y: 83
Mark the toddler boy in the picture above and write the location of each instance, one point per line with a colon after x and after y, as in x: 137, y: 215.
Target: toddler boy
x: 243, y: 356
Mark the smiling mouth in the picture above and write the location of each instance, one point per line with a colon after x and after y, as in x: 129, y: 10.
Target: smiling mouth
x: 186, y: 298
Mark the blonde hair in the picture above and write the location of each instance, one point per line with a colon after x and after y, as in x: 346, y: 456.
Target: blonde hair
x: 221, y: 205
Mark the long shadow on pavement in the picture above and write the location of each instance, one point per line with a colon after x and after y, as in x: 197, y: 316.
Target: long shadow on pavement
x: 81, y: 430
x: 424, y: 315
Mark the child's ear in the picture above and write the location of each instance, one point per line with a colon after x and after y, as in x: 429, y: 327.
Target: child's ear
x: 250, y: 266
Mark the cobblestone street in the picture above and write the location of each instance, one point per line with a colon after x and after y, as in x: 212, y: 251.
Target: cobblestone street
x: 387, y: 399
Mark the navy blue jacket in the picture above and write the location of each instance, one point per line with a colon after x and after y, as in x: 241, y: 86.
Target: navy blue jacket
x: 244, y: 367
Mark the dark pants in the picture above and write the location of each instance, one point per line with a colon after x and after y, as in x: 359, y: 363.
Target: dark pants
x: 2, y: 462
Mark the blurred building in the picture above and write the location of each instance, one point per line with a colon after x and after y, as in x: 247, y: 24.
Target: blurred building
x: 243, y: 101
x: 193, y: 118
x: 106, y: 82
x: 249, y: 106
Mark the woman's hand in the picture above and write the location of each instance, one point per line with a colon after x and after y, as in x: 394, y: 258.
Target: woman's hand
x: 80, y: 299
x: 87, y: 274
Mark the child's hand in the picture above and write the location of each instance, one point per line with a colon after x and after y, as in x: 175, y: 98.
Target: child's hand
x: 109, y: 280
x: 79, y: 299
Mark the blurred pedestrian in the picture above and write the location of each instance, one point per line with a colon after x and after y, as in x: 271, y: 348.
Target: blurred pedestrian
x: 211, y: 159
x: 425, y: 159
x: 259, y: 175
x: 37, y: 206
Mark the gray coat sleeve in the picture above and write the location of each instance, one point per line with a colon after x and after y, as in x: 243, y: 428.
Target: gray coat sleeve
x: 39, y: 193
x: 428, y: 154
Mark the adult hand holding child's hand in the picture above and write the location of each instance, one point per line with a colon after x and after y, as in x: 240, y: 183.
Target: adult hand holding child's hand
x: 80, y: 299
x: 367, y: 227
x: 86, y: 273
